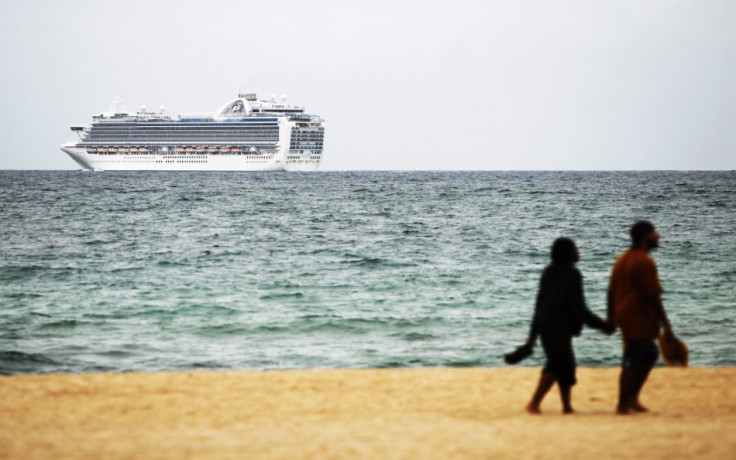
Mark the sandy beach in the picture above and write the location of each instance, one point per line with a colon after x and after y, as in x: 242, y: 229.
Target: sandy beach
x: 364, y: 414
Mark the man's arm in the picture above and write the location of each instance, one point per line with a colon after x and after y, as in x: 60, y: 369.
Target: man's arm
x: 610, y: 301
x: 653, y: 289
x: 610, y: 316
x: 580, y: 309
x: 662, y: 315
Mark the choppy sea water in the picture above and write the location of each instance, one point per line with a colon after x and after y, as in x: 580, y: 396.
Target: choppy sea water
x: 122, y: 271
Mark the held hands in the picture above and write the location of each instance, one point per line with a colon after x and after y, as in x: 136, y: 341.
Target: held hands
x: 609, y: 327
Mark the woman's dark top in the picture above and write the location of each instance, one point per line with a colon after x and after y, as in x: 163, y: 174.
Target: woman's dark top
x: 560, y: 307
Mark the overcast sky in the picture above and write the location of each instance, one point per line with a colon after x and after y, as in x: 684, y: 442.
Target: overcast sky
x: 441, y: 85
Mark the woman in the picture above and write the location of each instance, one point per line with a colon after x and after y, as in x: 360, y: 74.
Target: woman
x: 559, y: 314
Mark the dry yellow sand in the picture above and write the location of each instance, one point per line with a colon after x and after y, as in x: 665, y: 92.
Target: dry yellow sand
x: 362, y: 414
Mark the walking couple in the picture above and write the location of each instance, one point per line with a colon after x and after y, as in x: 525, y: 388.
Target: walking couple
x: 634, y: 306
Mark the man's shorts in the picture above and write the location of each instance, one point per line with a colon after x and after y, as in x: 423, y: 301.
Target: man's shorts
x: 640, y: 353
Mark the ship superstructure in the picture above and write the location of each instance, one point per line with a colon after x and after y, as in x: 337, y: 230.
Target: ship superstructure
x: 246, y: 134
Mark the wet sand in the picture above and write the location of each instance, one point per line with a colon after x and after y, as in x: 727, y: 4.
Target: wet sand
x: 362, y: 414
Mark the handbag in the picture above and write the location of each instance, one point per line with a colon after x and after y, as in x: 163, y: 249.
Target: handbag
x: 674, y: 350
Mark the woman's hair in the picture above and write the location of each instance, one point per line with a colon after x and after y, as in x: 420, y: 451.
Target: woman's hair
x: 639, y: 230
x: 563, y: 251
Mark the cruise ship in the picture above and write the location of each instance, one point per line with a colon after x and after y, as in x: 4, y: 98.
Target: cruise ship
x: 246, y: 134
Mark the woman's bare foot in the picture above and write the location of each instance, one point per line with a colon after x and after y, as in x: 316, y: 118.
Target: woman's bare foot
x: 532, y: 409
x: 622, y: 410
x: 637, y: 407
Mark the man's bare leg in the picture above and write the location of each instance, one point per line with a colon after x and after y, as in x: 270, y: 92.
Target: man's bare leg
x: 640, y: 376
x: 630, y: 385
x: 625, y: 391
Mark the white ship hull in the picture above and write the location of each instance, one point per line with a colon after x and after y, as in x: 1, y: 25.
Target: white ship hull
x: 185, y: 162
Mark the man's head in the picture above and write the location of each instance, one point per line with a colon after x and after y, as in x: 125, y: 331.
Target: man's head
x: 644, y: 235
x: 564, y: 251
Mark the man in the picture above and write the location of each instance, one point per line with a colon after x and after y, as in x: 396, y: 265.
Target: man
x: 635, y: 306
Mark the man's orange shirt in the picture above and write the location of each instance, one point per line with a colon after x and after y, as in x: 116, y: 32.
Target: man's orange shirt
x: 634, y: 289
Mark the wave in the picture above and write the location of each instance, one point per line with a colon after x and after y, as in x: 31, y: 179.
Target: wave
x: 464, y: 363
x: 22, y: 295
x: 282, y: 295
x: 374, y: 262
x: 315, y: 323
x: 97, y: 242
x: 414, y: 336
x: 172, y: 263
x: 366, y: 261
x: 407, y: 362
x: 16, y: 362
x: 223, y: 330
x: 12, y: 274
x: 63, y: 324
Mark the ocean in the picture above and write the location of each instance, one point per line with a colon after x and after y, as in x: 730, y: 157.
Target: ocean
x: 152, y: 271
